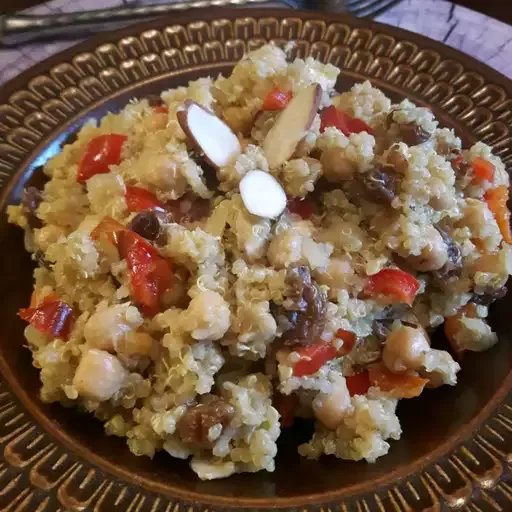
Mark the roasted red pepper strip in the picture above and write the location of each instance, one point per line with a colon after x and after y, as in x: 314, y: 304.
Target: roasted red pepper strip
x: 457, y: 163
x: 393, y: 283
x: 497, y: 199
x: 332, y: 116
x: 150, y: 274
x: 109, y: 228
x: 160, y: 109
x: 399, y: 385
x: 483, y: 169
x: 349, y: 340
x: 139, y: 199
x: 285, y: 405
x: 277, y: 99
x: 313, y: 357
x: 301, y: 207
x: 100, y: 153
x: 52, y: 317
x: 359, y: 383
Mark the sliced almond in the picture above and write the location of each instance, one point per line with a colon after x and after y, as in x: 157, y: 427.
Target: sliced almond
x: 294, y: 120
x: 262, y: 194
x: 212, y: 136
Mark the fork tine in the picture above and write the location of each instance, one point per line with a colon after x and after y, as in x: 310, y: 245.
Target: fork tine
x: 366, y: 8
x: 359, y: 8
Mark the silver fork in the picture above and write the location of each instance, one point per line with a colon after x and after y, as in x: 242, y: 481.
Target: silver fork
x: 18, y: 29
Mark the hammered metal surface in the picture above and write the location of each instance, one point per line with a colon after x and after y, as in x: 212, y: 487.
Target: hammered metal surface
x: 38, y: 473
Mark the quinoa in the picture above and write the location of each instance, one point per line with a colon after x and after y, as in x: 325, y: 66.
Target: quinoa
x: 190, y: 341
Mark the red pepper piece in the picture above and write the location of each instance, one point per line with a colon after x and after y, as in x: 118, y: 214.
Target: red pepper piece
x: 497, y: 199
x: 359, y: 383
x: 399, y: 385
x: 150, y: 274
x: 483, y: 170
x: 277, y: 99
x: 51, y: 317
x: 101, y: 152
x: 139, y: 200
x: 349, y: 340
x: 286, y: 405
x: 332, y: 116
x: 313, y: 357
x: 394, y: 284
x: 160, y: 109
x: 301, y: 207
x: 109, y: 228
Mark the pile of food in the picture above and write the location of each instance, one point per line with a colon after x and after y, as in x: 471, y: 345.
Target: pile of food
x: 220, y: 260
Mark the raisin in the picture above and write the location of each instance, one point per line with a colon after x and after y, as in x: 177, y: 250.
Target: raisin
x: 41, y: 260
x: 188, y: 208
x: 31, y: 198
x: 154, y: 100
x: 306, y: 307
x: 194, y: 425
x: 413, y: 134
x: 454, y: 262
x: 377, y: 186
x: 488, y: 297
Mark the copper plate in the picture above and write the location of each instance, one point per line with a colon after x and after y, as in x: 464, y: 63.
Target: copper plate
x: 456, y: 448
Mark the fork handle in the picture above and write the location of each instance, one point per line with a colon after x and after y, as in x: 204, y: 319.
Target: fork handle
x: 21, y: 28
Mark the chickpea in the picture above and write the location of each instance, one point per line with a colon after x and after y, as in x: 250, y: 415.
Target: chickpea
x: 338, y: 275
x: 336, y: 166
x: 397, y: 159
x: 440, y: 369
x: 433, y: 256
x: 156, y: 121
x: 496, y: 264
x: 207, y: 316
x: 99, y: 375
x: 443, y: 202
x: 480, y: 220
x: 285, y: 248
x: 240, y: 120
x: 176, y: 295
x: 107, y: 327
x: 329, y: 408
x: 137, y: 343
x: 405, y: 349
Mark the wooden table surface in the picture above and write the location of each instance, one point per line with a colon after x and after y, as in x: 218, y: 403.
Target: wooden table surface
x: 499, y: 9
